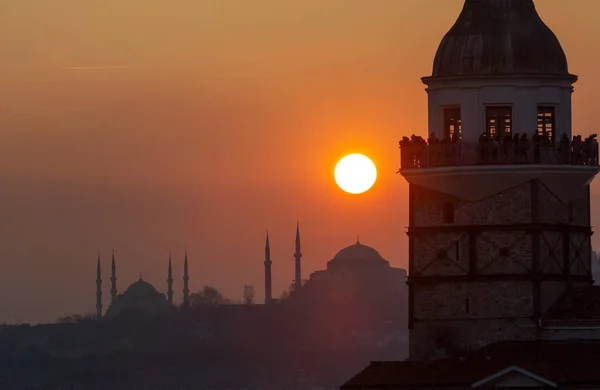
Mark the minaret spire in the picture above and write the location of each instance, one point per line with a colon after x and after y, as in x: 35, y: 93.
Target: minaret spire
x: 298, y: 256
x: 186, y: 290
x: 98, y: 290
x: 113, y: 279
x: 268, y: 293
x: 170, y: 282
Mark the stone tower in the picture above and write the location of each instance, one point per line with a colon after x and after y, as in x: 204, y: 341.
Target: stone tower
x: 268, y: 288
x: 113, y: 280
x: 499, y: 220
x: 298, y: 258
x: 170, y: 282
x: 98, y: 290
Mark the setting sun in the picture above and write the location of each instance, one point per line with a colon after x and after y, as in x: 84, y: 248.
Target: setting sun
x: 355, y: 173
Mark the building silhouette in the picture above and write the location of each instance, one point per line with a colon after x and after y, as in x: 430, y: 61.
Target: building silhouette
x: 500, y: 279
x: 338, y: 320
x: 358, y: 271
x: 140, y: 297
x: 268, y: 287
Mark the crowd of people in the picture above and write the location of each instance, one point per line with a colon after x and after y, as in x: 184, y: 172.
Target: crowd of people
x: 513, y: 149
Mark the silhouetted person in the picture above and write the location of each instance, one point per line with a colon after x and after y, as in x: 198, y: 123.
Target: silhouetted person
x: 516, y: 153
x: 594, y: 150
x: 433, y: 139
x: 482, y: 148
x: 545, y: 138
x: 564, y: 149
x: 405, y: 153
x: 577, y: 150
x: 524, y: 147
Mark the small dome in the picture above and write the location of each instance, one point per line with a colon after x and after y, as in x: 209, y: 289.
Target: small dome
x: 358, y: 251
x: 499, y: 37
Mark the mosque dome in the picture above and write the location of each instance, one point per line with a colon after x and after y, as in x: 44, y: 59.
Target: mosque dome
x: 358, y: 257
x: 499, y: 37
x: 139, y: 297
x: 141, y: 289
x: 358, y: 251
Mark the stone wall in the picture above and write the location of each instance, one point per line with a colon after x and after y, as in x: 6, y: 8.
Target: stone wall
x: 477, y: 284
x: 444, y: 253
x: 550, y: 291
x: 552, y: 248
x: 512, y: 205
x: 472, y: 300
x: 503, y: 252
x: 554, y: 210
x: 580, y: 253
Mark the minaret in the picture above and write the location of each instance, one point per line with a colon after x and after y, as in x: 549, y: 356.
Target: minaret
x: 298, y: 256
x: 170, y: 282
x: 186, y: 290
x: 268, y: 294
x: 113, y: 280
x: 499, y: 211
x: 98, y: 290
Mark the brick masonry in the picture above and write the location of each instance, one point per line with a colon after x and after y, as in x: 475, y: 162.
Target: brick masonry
x: 492, y: 272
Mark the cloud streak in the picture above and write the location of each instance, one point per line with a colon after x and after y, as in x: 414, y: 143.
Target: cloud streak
x: 107, y: 67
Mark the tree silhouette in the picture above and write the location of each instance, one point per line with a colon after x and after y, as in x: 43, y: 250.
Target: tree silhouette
x: 284, y: 295
x: 207, y: 297
x: 75, y: 319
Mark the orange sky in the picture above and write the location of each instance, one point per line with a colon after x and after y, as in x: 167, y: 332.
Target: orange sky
x: 145, y: 125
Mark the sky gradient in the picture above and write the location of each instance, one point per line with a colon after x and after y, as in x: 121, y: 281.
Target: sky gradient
x: 146, y: 126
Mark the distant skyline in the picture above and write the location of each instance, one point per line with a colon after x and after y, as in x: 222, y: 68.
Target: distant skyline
x: 147, y: 126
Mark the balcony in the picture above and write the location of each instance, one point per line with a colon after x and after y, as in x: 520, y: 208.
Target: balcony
x: 417, y: 153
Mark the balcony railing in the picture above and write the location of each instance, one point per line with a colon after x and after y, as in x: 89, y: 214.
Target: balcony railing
x: 417, y: 153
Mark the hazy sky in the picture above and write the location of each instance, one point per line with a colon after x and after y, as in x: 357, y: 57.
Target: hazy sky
x: 149, y: 125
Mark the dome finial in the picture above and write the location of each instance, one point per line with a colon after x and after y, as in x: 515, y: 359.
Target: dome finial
x: 141, y: 277
x: 357, y: 240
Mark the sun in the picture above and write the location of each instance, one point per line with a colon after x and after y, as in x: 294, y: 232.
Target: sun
x: 355, y: 173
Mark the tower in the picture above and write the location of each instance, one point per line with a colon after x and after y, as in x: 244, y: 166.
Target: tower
x: 298, y: 265
x: 98, y: 290
x: 186, y: 290
x: 268, y: 292
x: 113, y: 280
x: 499, y: 204
x: 170, y: 282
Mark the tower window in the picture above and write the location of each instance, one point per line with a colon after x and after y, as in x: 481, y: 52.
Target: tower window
x: 498, y: 121
x: 452, y: 123
x: 545, y: 122
x: 448, y: 212
x: 467, y: 307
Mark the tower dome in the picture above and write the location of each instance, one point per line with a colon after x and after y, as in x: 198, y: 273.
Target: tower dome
x: 499, y: 37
